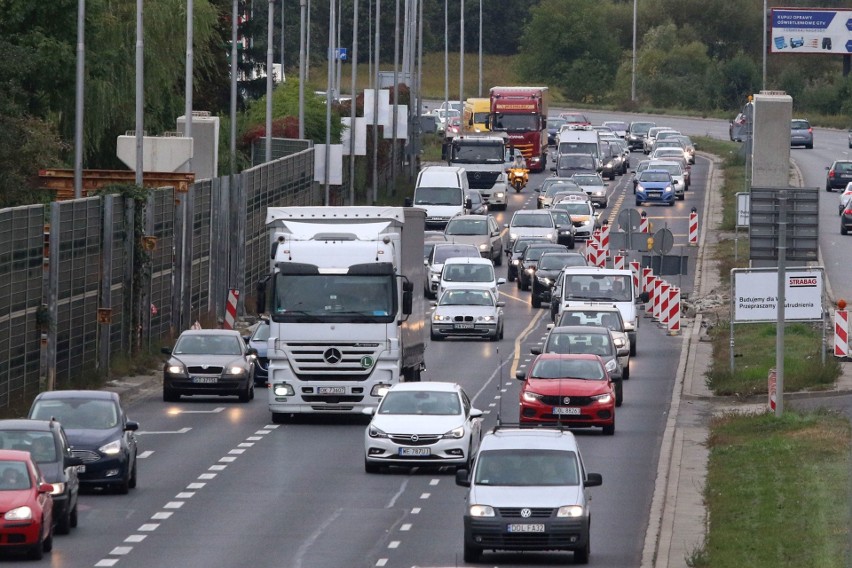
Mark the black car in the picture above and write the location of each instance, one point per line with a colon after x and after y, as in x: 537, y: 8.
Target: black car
x: 258, y: 341
x: 838, y: 175
x: 99, y: 434
x: 554, y: 124
x: 529, y: 262
x: 565, y: 228
x: 46, y: 441
x: 549, y: 266
x: 517, y: 250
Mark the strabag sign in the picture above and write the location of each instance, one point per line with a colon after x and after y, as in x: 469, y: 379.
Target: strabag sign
x: 796, y: 30
x: 754, y: 296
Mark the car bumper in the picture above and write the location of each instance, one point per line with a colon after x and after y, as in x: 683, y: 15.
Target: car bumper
x: 493, y: 534
x: 592, y: 415
x: 666, y: 198
x: 222, y: 386
x: 478, y: 330
x: 19, y: 533
x: 442, y: 452
x: 105, y: 471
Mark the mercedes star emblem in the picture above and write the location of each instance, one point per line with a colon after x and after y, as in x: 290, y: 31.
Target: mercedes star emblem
x: 332, y: 355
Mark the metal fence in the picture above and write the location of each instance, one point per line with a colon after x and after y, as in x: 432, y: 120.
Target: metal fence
x: 102, y: 279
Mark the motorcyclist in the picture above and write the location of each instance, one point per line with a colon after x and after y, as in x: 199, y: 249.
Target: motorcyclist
x: 518, y: 169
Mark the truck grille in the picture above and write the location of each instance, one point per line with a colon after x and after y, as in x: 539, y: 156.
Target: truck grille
x: 333, y: 362
x: 482, y: 180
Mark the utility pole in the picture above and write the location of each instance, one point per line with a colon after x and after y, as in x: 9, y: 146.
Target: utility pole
x: 302, y: 66
x: 270, y: 26
x: 461, y: 52
x: 376, y: 107
x: 78, y: 99
x: 140, y: 95
x: 352, y: 105
x: 395, y: 96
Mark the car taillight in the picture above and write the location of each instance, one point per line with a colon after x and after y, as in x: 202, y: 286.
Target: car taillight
x: 810, y: 130
x: 847, y: 211
x: 831, y: 173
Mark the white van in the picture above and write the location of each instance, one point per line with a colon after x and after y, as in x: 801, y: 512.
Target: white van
x: 580, y: 140
x: 440, y: 190
x: 585, y: 285
x: 468, y: 272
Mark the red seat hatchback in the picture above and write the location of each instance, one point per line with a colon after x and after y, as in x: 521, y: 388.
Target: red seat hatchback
x: 569, y: 389
x: 26, y: 507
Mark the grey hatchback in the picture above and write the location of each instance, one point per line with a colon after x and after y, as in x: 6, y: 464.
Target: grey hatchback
x: 801, y: 133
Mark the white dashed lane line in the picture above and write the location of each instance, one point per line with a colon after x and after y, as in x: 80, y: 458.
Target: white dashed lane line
x: 181, y: 498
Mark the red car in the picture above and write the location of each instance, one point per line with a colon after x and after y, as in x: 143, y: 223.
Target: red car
x: 575, y: 118
x: 573, y: 390
x: 26, y: 507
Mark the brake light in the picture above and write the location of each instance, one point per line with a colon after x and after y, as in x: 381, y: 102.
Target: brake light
x: 847, y: 211
x: 810, y: 130
x: 830, y: 173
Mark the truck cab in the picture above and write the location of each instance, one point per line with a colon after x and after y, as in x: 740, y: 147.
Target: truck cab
x: 482, y: 157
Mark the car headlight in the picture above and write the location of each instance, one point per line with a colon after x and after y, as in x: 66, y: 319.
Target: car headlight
x: 619, y: 342
x: 572, y: 511
x: 283, y: 389
x: 455, y: 433
x: 548, y: 236
x: 58, y: 488
x: 513, y: 236
x: 640, y: 187
x: 544, y: 280
x: 530, y: 396
x: 483, y: 246
x: 602, y: 398
x: 374, y: 432
x: 19, y: 514
x: 235, y: 370
x: 486, y: 319
x: 668, y: 189
x: 500, y: 195
x: 516, y: 262
x: 176, y: 370
x: 111, y: 449
x: 611, y: 366
x: 481, y: 511
x: 440, y: 317
x: 530, y: 270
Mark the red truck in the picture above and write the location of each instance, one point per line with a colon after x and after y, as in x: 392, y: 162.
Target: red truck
x: 521, y: 112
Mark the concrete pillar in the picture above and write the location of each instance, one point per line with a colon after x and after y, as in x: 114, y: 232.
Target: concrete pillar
x: 773, y: 111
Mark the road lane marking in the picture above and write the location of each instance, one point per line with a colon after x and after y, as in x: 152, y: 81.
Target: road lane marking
x: 136, y: 538
x: 181, y: 431
x: 145, y: 454
x: 214, y: 411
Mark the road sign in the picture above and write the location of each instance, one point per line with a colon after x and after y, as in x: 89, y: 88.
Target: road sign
x: 628, y: 220
x: 802, y: 217
x: 663, y: 241
x: 342, y: 54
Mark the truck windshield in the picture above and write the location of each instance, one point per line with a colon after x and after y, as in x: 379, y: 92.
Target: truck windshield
x: 478, y: 153
x: 318, y: 298
x: 578, y: 148
x: 516, y: 122
x: 438, y: 196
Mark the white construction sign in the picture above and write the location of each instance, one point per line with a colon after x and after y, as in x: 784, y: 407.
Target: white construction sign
x: 754, y: 294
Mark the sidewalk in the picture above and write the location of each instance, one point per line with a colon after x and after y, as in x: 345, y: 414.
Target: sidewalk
x: 678, y: 517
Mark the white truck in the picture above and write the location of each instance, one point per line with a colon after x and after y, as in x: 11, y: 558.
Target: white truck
x: 482, y: 157
x: 346, y: 306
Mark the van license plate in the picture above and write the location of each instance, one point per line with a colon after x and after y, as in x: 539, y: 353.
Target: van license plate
x: 331, y: 390
x: 566, y: 410
x: 526, y: 528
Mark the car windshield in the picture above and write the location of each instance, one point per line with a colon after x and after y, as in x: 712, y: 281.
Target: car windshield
x: 613, y: 288
x: 534, y: 253
x: 800, y: 125
x: 468, y: 273
x: 561, y: 186
x: 559, y: 261
x: 203, y: 344
x: 578, y: 208
x: 467, y: 227
x: 565, y: 368
x: 555, y: 123
x: 516, y: 122
x: 522, y: 244
x: 458, y: 297
x: 532, y: 221
x: 588, y: 343
x: 597, y: 318
x: 641, y: 127
x: 437, y: 196
x: 573, y: 117
x: 527, y: 468
x: 430, y: 403
x: 588, y: 180
x: 616, y: 125
x: 655, y: 177
x: 443, y: 253
x: 39, y: 443
x: 561, y: 217
x: 78, y: 413
x: 261, y: 332
x: 673, y: 169
x: 13, y: 476
x: 478, y: 153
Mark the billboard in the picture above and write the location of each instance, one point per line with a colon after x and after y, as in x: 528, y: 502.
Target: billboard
x: 753, y: 294
x: 800, y: 30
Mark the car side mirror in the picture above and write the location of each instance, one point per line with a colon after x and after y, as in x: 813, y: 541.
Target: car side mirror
x: 623, y: 351
x: 521, y: 375
x: 251, y: 351
x: 45, y: 487
x: 408, y: 202
x: 166, y: 350
x: 644, y: 297
x: 593, y: 480
x: 501, y: 281
x: 462, y: 478
x: 552, y: 168
x: 131, y: 426
x: 71, y: 461
x: 535, y: 350
x: 501, y: 304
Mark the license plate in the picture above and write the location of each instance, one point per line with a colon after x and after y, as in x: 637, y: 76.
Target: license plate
x: 414, y: 452
x: 205, y: 379
x: 566, y: 410
x: 332, y: 390
x: 463, y: 326
x: 81, y: 469
x: 526, y: 528
x: 654, y: 194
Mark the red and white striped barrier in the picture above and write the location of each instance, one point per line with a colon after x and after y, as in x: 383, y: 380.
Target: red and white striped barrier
x: 648, y: 288
x: 653, y: 288
x: 643, y: 223
x: 635, y: 269
x: 674, y: 311
x: 604, y: 239
x: 664, y: 303
x: 231, y: 308
x: 661, y: 290
x: 693, y: 228
x: 596, y: 238
x: 590, y: 252
x: 619, y: 260
x: 841, y: 333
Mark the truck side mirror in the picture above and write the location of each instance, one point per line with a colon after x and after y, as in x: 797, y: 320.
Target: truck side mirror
x: 407, y: 298
x: 261, y: 293
x: 408, y: 202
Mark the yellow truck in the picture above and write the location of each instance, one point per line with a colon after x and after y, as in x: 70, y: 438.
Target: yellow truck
x: 475, y: 116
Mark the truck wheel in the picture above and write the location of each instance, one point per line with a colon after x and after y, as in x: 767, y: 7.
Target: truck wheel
x: 280, y: 418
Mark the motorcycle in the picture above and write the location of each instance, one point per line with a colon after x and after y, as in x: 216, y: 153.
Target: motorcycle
x: 518, y: 178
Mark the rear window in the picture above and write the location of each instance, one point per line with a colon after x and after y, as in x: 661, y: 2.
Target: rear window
x: 800, y: 125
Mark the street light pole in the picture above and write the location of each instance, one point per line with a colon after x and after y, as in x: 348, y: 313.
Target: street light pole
x: 270, y: 26
x: 353, y: 93
x: 302, y: 67
x: 764, y: 46
x: 461, y: 52
x: 140, y: 95
x: 479, y: 91
x: 395, y: 96
x: 376, y: 106
x: 78, y: 102
x: 633, y: 74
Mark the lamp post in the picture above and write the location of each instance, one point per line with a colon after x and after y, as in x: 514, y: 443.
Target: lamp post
x: 461, y: 52
x: 302, y: 67
x: 352, y: 100
x: 140, y: 95
x: 78, y: 99
x: 479, y: 91
x: 633, y: 74
x: 270, y: 25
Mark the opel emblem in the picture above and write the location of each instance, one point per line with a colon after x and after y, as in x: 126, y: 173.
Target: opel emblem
x: 414, y: 437
x: 526, y: 513
x: 332, y: 356
x: 566, y: 400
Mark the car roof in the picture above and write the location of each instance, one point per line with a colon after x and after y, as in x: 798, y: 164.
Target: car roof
x: 468, y: 260
x: 471, y: 216
x: 600, y: 271
x: 585, y: 329
x: 530, y: 212
x: 81, y: 394
x: 433, y: 386
x: 27, y: 424
x: 15, y: 455
x: 459, y: 246
x: 225, y: 332
x: 591, y: 308
x: 539, y: 438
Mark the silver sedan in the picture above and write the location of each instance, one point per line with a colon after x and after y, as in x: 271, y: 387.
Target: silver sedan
x: 467, y: 312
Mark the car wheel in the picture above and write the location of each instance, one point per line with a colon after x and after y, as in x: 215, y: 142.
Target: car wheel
x: 625, y: 373
x: 843, y: 229
x: 581, y: 555
x: 437, y: 337
x: 170, y: 396
x: 619, y: 393
x: 245, y: 396
x: 525, y: 286
x: 73, y: 516
x: 132, y: 482
x: 638, y: 203
x: 827, y: 186
x: 370, y: 467
x: 499, y: 260
x: 535, y: 300
x: 501, y: 332
x: 63, y: 524
x: 123, y: 486
x: 633, y: 348
x: 609, y: 429
x: 47, y: 545
x: 495, y: 337
x: 36, y: 552
x: 571, y: 243
x: 510, y: 276
x: 472, y: 553
x: 809, y: 146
